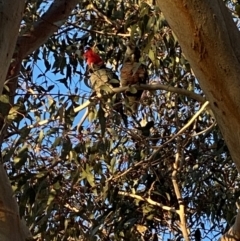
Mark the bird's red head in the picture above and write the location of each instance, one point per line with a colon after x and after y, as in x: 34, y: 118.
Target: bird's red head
x: 92, y: 58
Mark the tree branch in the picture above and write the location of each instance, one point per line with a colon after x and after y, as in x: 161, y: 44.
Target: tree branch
x: 148, y: 200
x: 154, y: 86
x: 46, y: 26
x: 150, y: 87
x: 100, y: 32
x: 181, y: 130
x: 181, y: 213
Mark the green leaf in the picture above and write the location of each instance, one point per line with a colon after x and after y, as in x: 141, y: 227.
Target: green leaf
x: 4, y: 105
x: 69, y: 72
x: 40, y: 137
x: 102, y: 120
x: 51, y: 196
x: 47, y: 65
x: 50, y: 87
x: 57, y: 142
x: 151, y: 55
x: 151, y: 23
x: 21, y: 157
x: 237, y: 9
x: 89, y: 176
x: 113, y: 164
x: 63, y: 81
x: 106, y: 88
x: 132, y: 89
x: 92, y: 114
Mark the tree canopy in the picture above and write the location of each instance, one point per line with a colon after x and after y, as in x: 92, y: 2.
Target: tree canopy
x: 77, y: 172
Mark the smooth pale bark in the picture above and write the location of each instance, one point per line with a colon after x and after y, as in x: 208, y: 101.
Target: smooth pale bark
x: 11, y: 12
x: 210, y: 41
x: 11, y: 227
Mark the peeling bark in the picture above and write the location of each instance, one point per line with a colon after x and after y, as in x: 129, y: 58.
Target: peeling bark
x: 210, y: 40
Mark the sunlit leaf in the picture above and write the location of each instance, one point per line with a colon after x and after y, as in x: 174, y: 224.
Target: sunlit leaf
x: 102, y: 120
x: 40, y: 137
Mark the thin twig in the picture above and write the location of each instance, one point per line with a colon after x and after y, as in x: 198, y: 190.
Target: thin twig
x: 100, y: 14
x: 82, y: 120
x: 43, y: 122
x: 129, y: 169
x: 148, y: 200
x: 181, y: 211
x: 180, y: 131
x: 206, y: 130
x: 83, y: 106
x: 100, y: 32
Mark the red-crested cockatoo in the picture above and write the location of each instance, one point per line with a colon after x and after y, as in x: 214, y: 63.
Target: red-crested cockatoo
x: 131, y: 73
x: 100, y: 75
